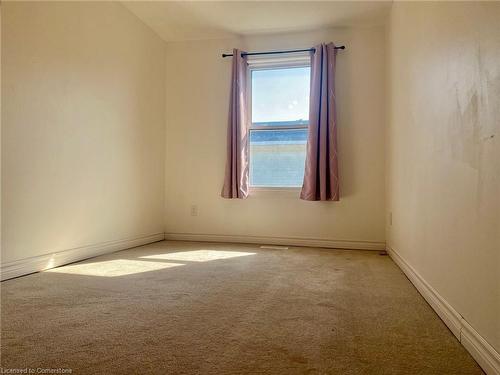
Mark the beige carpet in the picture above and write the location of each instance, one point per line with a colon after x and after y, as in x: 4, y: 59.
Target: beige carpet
x: 201, y: 308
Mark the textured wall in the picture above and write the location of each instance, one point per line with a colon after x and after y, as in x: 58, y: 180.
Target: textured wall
x: 444, y: 152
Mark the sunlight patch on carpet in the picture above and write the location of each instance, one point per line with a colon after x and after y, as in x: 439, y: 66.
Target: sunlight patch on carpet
x: 112, y: 268
x: 198, y: 255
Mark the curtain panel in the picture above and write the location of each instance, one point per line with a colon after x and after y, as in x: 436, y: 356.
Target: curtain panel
x: 236, y: 176
x: 321, y: 174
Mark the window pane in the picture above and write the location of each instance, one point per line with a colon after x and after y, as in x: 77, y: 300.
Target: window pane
x: 280, y: 96
x: 277, y: 157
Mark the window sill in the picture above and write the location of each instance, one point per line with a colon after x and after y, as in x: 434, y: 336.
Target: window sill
x: 274, y: 191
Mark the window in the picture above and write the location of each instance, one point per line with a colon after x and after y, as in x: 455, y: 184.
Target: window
x: 279, y: 122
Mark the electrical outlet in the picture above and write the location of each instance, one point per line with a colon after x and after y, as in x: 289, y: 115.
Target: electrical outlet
x: 194, y: 210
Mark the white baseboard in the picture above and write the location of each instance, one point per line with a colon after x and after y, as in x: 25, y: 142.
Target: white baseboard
x: 447, y: 313
x: 291, y: 241
x: 485, y: 355
x: 47, y: 261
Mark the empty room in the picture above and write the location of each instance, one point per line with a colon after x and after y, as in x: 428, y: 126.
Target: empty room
x: 250, y: 187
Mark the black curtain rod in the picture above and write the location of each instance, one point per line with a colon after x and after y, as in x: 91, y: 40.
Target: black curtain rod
x: 277, y: 52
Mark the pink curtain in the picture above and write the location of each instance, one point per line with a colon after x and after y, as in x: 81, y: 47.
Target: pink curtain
x: 236, y: 177
x: 321, y: 175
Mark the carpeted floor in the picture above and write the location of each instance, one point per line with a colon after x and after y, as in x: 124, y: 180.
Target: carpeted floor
x: 202, y: 308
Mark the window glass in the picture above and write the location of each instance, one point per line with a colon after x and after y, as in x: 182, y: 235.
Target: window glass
x: 280, y: 96
x: 278, y: 135
x: 277, y: 157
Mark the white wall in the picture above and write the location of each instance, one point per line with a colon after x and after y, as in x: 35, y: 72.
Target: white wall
x: 82, y: 127
x: 198, y: 81
x: 444, y: 153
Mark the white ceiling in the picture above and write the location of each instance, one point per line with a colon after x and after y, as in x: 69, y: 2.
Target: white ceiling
x: 194, y: 20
